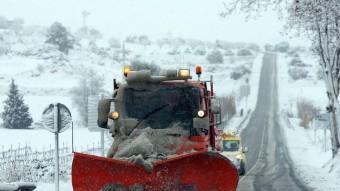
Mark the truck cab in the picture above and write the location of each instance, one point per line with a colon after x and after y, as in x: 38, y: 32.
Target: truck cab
x: 160, y: 103
x: 232, y: 148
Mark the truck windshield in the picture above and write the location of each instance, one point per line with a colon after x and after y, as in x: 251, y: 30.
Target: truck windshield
x: 163, y: 106
x: 231, y: 145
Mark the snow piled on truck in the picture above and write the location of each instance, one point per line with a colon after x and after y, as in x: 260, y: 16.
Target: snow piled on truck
x: 146, y: 145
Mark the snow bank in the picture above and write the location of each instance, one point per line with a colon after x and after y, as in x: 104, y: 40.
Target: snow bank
x: 334, y: 167
x: 312, y: 162
x: 306, y: 146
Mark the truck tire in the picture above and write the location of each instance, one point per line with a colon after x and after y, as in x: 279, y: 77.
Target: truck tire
x: 242, y: 169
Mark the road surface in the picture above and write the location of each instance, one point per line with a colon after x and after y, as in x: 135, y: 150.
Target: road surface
x: 269, y: 166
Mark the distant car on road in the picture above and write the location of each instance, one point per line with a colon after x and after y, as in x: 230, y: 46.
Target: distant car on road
x: 232, y: 148
x: 20, y: 186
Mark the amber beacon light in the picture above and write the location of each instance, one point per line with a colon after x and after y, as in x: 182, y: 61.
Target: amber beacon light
x: 127, y: 69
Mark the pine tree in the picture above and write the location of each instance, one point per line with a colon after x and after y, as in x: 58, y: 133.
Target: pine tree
x: 16, y: 114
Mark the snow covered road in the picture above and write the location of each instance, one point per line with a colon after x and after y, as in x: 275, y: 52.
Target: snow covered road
x: 268, y: 162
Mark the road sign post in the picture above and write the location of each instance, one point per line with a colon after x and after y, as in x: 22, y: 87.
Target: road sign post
x: 56, y: 139
x: 56, y: 118
x: 323, y: 121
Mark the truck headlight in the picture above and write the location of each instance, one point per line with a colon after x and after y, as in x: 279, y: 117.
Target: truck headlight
x: 184, y: 73
x: 239, y: 157
x: 114, y: 115
x: 200, y: 113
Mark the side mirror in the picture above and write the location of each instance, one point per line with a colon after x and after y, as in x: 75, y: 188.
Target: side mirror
x: 216, y: 110
x: 245, y: 149
x: 103, y: 110
x: 215, y: 106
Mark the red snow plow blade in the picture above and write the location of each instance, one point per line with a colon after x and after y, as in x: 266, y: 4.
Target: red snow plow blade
x: 201, y: 171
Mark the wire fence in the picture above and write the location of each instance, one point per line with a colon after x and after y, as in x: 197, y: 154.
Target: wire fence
x: 22, y: 163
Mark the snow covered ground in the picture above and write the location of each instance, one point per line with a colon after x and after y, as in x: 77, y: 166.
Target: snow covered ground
x: 45, y: 76
x: 308, y: 148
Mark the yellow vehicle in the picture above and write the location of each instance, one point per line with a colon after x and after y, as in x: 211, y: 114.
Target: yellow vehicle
x: 232, y: 149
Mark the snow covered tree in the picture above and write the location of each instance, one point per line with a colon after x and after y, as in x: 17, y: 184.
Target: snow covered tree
x: 282, y: 46
x: 320, y: 21
x: 251, y: 6
x: 90, y: 84
x: 215, y: 57
x: 244, y: 52
x: 58, y: 35
x: 144, y: 40
x: 16, y: 114
x: 114, y: 43
x: 228, y: 105
x: 139, y: 65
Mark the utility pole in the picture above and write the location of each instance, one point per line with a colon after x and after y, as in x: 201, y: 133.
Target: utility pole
x: 85, y: 15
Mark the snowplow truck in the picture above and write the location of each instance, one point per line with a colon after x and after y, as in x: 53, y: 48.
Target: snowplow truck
x: 164, y: 131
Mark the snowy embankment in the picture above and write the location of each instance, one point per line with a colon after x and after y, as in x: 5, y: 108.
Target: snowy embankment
x: 309, y: 148
x: 238, y: 122
x: 311, y: 161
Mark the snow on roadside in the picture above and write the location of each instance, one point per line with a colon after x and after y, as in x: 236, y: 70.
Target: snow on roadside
x: 310, y: 159
x: 306, y: 147
x: 291, y: 91
x: 237, y: 123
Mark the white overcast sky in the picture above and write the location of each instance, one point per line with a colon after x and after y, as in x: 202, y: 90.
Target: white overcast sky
x: 156, y: 18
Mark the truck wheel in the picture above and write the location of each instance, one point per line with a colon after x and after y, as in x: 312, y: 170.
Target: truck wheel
x: 242, y: 169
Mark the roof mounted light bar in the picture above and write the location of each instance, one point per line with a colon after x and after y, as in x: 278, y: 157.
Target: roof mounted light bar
x: 145, y: 76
